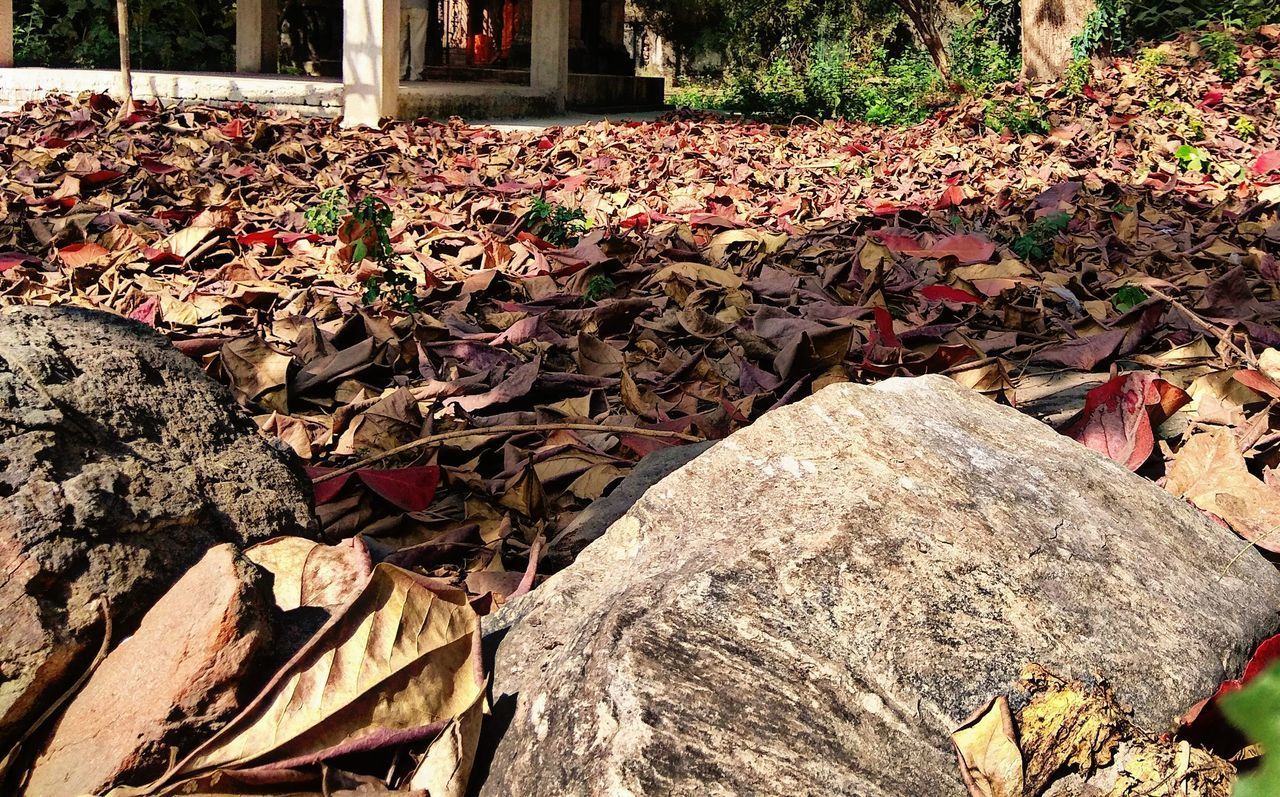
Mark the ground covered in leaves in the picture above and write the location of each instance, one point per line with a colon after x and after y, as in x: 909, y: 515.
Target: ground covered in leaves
x: 1115, y: 276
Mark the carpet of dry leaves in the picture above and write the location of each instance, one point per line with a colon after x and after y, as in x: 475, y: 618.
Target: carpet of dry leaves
x: 747, y: 265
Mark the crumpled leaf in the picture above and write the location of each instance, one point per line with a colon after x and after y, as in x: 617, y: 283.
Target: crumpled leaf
x: 1119, y: 416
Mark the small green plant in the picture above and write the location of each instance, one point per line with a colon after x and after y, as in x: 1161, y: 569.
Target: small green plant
x: 1223, y: 52
x: 1244, y: 127
x: 1020, y: 117
x: 1079, y: 72
x: 557, y: 224
x: 369, y: 229
x: 1149, y: 62
x: 1127, y: 298
x: 324, y: 217
x: 598, y: 287
x: 1255, y: 710
x: 1192, y: 159
x: 1036, y: 244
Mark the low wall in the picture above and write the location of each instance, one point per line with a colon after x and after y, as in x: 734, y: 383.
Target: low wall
x: 323, y: 96
x: 306, y: 96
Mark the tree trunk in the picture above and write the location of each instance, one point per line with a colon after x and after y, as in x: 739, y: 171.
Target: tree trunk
x: 126, y: 74
x: 1048, y: 26
x: 926, y: 17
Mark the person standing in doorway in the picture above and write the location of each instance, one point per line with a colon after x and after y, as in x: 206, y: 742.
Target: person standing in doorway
x: 413, y: 39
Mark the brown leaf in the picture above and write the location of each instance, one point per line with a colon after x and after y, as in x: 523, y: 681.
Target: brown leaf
x: 1210, y: 471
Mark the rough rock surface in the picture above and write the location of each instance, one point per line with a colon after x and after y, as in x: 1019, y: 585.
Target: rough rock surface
x: 813, y: 605
x: 179, y: 678
x: 592, y: 522
x: 121, y: 463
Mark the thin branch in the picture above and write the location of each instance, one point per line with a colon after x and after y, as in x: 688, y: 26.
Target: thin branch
x: 495, y: 431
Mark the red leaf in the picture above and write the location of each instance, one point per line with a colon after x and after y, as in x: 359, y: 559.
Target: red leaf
x: 232, y: 129
x: 1119, y: 416
x: 946, y: 293
x: 884, y: 328
x: 79, y: 255
x: 950, y: 198
x: 1257, y: 382
x: 267, y: 237
x: 1267, y: 162
x: 410, y: 489
x: 100, y: 177
x: 146, y: 312
x: 967, y: 247
x: 154, y: 165
x: 1212, y: 97
x: 160, y: 257
x: 326, y: 491
x: 10, y: 260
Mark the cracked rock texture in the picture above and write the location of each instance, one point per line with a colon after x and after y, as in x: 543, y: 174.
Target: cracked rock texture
x: 121, y: 464
x: 815, y: 603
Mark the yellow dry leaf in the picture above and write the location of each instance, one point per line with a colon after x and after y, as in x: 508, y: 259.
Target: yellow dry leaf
x: 990, y: 760
x: 698, y: 272
x: 446, y: 767
x: 259, y: 374
x: 1065, y: 724
x: 1269, y: 364
x: 306, y: 573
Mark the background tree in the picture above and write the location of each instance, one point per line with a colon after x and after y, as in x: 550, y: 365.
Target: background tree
x: 126, y: 72
x: 1048, y: 29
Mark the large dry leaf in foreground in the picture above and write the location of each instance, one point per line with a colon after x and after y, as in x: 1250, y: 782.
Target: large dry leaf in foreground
x: 396, y: 666
x: 1210, y: 471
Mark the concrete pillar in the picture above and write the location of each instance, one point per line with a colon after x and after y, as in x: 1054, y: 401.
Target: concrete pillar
x: 549, y: 56
x: 257, y: 35
x: 6, y: 33
x: 370, y: 61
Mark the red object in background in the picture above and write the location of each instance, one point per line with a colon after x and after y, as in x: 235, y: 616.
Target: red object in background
x: 510, y: 24
x: 482, y: 52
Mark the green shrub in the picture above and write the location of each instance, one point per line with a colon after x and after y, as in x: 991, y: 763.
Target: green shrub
x: 557, y: 224
x: 881, y: 90
x: 163, y: 34
x: 1222, y: 51
x: 980, y: 55
x: 1020, y: 116
x: 1036, y: 243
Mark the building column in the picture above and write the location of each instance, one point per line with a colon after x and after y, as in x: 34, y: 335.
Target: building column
x: 6, y: 33
x: 257, y: 35
x: 549, y: 56
x: 370, y: 61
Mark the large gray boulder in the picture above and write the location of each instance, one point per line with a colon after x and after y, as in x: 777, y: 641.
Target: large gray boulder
x: 121, y: 464
x: 813, y: 605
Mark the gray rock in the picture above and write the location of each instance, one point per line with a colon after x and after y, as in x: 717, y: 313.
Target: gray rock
x: 121, y: 463
x: 592, y: 522
x: 813, y: 605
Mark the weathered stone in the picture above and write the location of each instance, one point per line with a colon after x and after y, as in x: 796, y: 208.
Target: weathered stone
x: 179, y: 678
x: 813, y: 605
x: 592, y: 522
x: 121, y: 463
